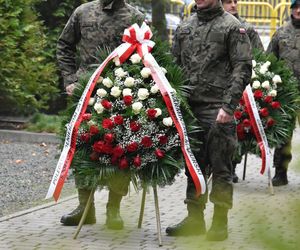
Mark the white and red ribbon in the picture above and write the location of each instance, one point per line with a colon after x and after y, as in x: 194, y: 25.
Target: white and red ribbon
x: 135, y: 38
x: 258, y: 129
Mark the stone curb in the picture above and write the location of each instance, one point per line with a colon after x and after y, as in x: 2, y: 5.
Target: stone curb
x: 33, y: 209
x: 31, y: 137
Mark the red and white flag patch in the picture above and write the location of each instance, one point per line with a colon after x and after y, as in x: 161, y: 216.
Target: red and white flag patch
x: 242, y: 31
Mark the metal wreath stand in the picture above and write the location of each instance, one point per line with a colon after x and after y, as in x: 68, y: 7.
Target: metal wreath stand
x: 158, y: 224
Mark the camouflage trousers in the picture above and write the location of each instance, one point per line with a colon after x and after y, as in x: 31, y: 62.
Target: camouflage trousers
x: 219, y: 142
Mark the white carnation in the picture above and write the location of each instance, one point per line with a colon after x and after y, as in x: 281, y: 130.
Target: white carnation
x: 163, y: 70
x: 98, y: 107
x: 273, y: 93
x: 115, y: 91
x: 116, y: 60
x: 146, y: 72
x: 158, y: 112
x: 266, y: 84
x: 107, y: 82
x: 276, y: 79
x: 100, y: 79
x: 91, y: 122
x: 129, y: 82
x: 168, y: 121
x: 253, y: 63
x: 267, y: 64
x: 101, y: 92
x: 135, y: 58
x: 253, y: 74
x: 256, y: 84
x: 91, y: 101
x: 143, y: 93
x: 136, y: 107
x: 119, y: 72
x: 154, y: 89
x: 127, y: 91
x: 263, y: 70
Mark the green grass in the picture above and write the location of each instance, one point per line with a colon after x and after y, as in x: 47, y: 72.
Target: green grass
x: 44, y: 123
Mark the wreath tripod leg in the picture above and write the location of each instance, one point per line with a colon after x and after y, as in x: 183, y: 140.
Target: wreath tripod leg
x: 142, y: 207
x: 245, y: 165
x: 85, y: 212
x: 157, y: 216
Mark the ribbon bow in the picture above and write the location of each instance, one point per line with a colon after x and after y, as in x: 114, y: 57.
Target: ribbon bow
x: 135, y: 38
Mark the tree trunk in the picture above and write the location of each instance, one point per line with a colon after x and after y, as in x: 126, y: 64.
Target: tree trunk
x: 159, y: 18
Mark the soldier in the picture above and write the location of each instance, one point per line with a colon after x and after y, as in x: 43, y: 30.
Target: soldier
x: 214, y: 50
x: 95, y: 24
x: 285, y: 44
x: 231, y: 7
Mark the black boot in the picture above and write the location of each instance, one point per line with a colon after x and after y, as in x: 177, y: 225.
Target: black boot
x: 113, y: 219
x: 193, y: 224
x: 280, y: 179
x: 235, y: 178
x: 218, y: 230
x: 73, y: 218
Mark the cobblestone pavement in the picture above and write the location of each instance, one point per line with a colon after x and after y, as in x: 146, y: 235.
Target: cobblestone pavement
x: 258, y: 220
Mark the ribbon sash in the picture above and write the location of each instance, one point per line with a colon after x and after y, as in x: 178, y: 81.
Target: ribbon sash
x: 258, y: 129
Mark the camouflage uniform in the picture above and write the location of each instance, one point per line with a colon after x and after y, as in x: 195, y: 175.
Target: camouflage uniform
x: 285, y: 44
x: 94, y: 25
x: 255, y: 40
x: 214, y: 50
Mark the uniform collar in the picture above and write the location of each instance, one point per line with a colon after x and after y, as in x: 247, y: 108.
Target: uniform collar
x: 209, y: 14
x: 114, y: 5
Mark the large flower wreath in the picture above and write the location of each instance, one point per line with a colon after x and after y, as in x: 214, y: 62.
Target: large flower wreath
x: 127, y: 126
x: 277, y: 99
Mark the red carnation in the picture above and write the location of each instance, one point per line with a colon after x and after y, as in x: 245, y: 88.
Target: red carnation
x: 109, y: 137
x: 258, y: 94
x: 94, y: 130
x: 246, y: 123
x: 132, y: 147
x: 134, y: 126
x: 114, y: 160
x: 237, y: 115
x: 275, y: 105
x: 108, y: 149
x: 118, y: 119
x: 264, y: 112
x: 240, y: 131
x: 242, y: 102
x: 163, y: 139
x: 127, y: 100
x: 270, y: 122
x: 123, y: 163
x: 85, y: 137
x: 137, y: 161
x: 99, y: 146
x: 268, y: 99
x: 146, y: 141
x: 151, y: 113
x: 118, y: 151
x: 86, y: 117
x: 159, y: 153
x: 107, y: 123
x: 94, y: 156
x: 106, y: 104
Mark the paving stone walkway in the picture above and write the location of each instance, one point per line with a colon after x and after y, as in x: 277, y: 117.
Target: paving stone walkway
x: 258, y: 220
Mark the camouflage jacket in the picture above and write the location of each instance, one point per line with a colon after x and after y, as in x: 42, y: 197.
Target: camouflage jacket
x: 285, y: 44
x: 214, y: 50
x: 92, y: 26
x: 255, y: 41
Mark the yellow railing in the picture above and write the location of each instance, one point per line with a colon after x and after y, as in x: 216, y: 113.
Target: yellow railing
x: 265, y: 16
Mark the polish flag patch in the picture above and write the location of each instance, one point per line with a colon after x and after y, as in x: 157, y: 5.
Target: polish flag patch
x: 242, y: 31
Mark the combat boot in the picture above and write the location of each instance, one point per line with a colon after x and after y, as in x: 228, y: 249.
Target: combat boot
x: 73, y: 218
x: 193, y: 224
x: 113, y: 218
x: 219, y: 228
x: 280, y: 178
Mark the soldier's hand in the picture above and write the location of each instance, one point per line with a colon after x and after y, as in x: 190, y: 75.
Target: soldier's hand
x: 70, y: 88
x: 223, y: 116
